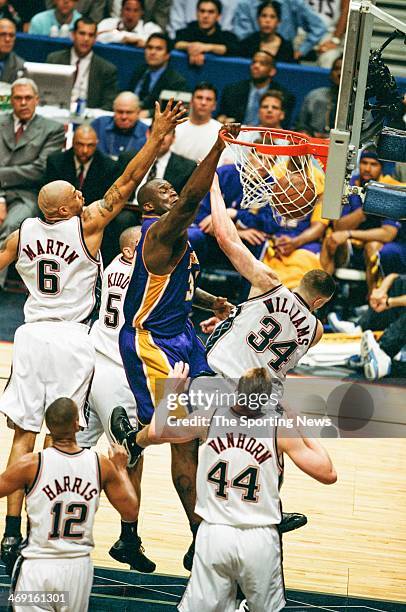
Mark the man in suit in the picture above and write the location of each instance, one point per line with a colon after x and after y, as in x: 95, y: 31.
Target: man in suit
x: 83, y: 165
x: 240, y: 101
x: 10, y: 62
x: 95, y: 79
x: 26, y: 140
x: 155, y: 75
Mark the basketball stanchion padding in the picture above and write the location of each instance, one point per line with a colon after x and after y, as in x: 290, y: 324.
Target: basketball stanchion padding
x: 278, y: 168
x: 385, y: 200
x: 391, y: 145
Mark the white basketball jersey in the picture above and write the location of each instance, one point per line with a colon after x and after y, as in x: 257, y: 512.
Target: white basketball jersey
x: 238, y: 474
x: 105, y: 330
x: 59, y: 272
x: 273, y: 330
x: 62, y: 503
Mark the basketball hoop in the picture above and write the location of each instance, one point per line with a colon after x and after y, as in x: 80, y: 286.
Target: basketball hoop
x: 278, y: 167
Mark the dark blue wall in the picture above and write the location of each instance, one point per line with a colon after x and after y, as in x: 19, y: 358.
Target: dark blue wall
x: 220, y: 71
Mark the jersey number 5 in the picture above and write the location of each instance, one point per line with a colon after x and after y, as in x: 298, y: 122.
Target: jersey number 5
x: 75, y: 514
x: 111, y: 318
x: 247, y: 480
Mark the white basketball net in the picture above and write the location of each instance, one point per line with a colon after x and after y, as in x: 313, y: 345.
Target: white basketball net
x: 278, y: 180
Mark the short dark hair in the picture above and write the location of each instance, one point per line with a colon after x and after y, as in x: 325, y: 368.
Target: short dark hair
x: 205, y: 85
x: 271, y: 57
x: 273, y: 93
x: 86, y: 20
x: 61, y: 415
x: 124, y: 2
x: 318, y: 283
x: 268, y: 4
x: 161, y: 36
x: 216, y: 3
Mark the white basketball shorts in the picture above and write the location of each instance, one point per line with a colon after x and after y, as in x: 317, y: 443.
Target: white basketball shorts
x: 74, y: 576
x: 225, y: 555
x: 50, y: 360
x: 109, y: 389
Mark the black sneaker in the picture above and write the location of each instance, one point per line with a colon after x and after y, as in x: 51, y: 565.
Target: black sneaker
x: 123, y: 433
x: 10, y: 550
x: 133, y: 554
x: 291, y: 521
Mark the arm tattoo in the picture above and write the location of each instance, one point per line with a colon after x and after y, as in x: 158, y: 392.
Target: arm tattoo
x: 87, y: 214
x: 112, y: 197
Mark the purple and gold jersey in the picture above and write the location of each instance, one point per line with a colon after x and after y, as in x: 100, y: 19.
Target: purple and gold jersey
x: 161, y: 304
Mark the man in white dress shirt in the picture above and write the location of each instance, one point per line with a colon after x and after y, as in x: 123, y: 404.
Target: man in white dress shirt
x: 129, y: 28
x: 197, y: 135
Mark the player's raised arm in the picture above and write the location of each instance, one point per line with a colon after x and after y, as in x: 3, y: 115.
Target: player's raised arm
x: 100, y: 213
x: 173, y: 224
x: 117, y: 485
x: 8, y: 250
x: 260, y: 276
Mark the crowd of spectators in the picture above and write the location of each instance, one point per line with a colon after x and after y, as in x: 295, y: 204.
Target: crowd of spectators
x: 32, y: 148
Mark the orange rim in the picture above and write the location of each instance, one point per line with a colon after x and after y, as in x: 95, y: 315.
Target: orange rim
x: 301, y: 144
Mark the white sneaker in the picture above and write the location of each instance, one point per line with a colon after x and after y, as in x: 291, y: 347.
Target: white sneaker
x: 342, y: 327
x: 243, y: 606
x: 377, y: 363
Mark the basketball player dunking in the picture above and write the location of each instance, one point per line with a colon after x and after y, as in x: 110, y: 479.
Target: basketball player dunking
x: 238, y: 480
x: 58, y: 259
x: 157, y: 331
x: 63, y: 485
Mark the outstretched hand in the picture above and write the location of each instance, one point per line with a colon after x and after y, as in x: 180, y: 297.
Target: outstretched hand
x: 232, y: 129
x: 222, y: 308
x: 178, y: 378
x: 167, y: 120
x: 208, y: 325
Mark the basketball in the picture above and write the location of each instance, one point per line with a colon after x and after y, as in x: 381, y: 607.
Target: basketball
x: 293, y: 196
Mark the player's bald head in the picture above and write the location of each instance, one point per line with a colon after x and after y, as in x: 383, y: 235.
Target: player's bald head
x: 52, y: 196
x: 157, y: 197
x: 130, y: 237
x: 62, y: 417
x: 148, y: 192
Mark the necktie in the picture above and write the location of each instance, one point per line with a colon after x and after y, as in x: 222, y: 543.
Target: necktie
x: 76, y: 71
x: 20, y: 131
x: 144, y: 91
x: 81, y: 176
x: 152, y: 172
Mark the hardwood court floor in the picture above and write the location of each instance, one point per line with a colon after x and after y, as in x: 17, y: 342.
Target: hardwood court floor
x: 354, y: 543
